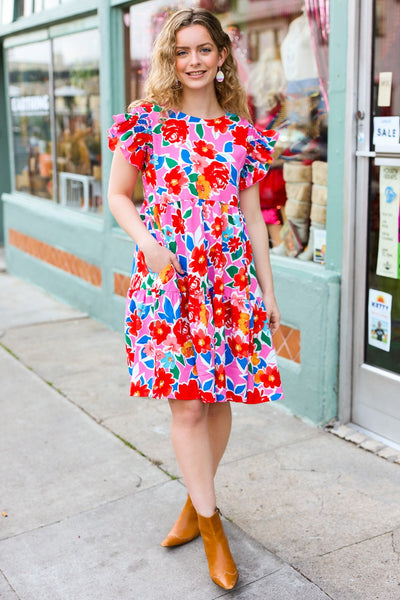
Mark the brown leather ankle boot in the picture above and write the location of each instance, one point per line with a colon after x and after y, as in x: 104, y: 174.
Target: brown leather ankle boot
x: 221, y: 565
x: 185, y: 529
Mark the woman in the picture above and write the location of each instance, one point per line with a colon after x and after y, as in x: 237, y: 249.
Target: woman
x: 197, y: 327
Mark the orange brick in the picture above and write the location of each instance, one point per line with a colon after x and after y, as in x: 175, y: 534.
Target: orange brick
x: 287, y: 343
x: 54, y: 256
x: 121, y: 284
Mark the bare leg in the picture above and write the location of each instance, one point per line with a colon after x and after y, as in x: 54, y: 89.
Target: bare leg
x: 219, y: 427
x: 191, y: 442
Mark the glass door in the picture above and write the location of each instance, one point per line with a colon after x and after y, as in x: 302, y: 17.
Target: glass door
x: 376, y: 367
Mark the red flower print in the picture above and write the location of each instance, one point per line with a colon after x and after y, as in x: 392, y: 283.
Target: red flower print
x: 255, y: 397
x: 220, y: 376
x: 148, y: 106
x: 240, y: 135
x: 219, y: 225
x: 136, y: 284
x: 178, y: 222
x: 228, y: 314
x: 239, y: 348
x: 261, y: 153
x: 205, y: 149
x: 150, y: 175
x: 134, y: 324
x: 112, y: 142
x: 234, y: 244
x: 235, y: 316
x: 219, y: 311
x: 188, y: 391
x: 221, y: 125
x: 217, y: 174
x: 219, y: 286
x: 207, y: 397
x: 193, y: 284
x: 217, y: 257
x: 202, y: 342
x: 194, y: 307
x: 139, y: 389
x: 259, y: 318
x: 271, y: 378
x: 175, y: 131
x: 162, y: 386
x: 130, y: 356
x: 175, y: 179
x: 241, y: 279
x: 183, y: 285
x: 159, y: 330
x: 128, y: 124
x: 182, y: 331
x: 233, y: 397
x: 199, y: 260
x: 137, y: 158
x: 248, y: 255
x: 141, y: 264
x: 140, y: 140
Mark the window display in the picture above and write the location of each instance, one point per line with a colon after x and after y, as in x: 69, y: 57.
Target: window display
x: 281, y: 52
x: 77, y: 116
x: 29, y: 93
x: 56, y: 129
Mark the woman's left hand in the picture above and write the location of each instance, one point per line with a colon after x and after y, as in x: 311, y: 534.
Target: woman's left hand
x: 274, y: 315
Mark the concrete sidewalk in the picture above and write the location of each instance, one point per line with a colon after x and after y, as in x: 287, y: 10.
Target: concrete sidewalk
x: 90, y: 485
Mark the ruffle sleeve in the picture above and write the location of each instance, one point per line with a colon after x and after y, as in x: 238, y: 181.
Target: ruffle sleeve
x: 260, y: 147
x: 133, y: 130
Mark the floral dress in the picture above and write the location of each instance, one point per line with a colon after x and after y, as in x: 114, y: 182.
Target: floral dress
x: 205, y: 334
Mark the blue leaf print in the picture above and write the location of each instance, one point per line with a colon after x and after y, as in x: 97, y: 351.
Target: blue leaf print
x: 189, y: 242
x: 228, y: 147
x: 185, y: 155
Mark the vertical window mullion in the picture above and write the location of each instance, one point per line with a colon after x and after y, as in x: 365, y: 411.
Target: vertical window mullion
x: 53, y: 125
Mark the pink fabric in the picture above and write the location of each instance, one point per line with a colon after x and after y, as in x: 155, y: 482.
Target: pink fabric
x: 204, y: 334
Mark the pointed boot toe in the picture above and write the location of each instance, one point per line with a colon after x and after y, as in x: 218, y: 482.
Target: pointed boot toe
x: 221, y: 565
x: 185, y: 529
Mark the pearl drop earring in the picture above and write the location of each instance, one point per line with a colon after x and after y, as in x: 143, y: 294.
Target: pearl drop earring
x: 220, y: 75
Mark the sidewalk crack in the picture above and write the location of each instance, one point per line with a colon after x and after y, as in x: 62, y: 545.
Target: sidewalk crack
x: 374, y: 537
x: 9, y: 584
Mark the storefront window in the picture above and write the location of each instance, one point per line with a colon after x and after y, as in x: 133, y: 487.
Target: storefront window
x: 56, y: 129
x: 29, y: 92
x: 77, y: 116
x: 15, y: 9
x: 281, y: 50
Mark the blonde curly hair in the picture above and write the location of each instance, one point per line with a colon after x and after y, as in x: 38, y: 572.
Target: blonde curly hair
x: 161, y: 87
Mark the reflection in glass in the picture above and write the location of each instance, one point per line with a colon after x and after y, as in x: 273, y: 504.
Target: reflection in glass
x: 77, y: 112
x: 29, y: 93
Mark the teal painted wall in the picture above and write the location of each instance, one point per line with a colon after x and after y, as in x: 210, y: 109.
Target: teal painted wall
x: 308, y: 298
x: 4, y: 163
x: 336, y: 132
x: 308, y: 294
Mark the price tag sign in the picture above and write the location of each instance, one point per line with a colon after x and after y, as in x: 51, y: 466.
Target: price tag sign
x: 386, y: 131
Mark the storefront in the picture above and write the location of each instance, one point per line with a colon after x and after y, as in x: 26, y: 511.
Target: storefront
x: 70, y: 65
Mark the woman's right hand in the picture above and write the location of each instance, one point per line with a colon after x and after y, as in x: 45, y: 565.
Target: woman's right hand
x: 158, y: 257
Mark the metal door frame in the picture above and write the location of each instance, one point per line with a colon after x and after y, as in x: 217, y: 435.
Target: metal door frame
x: 357, y: 379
